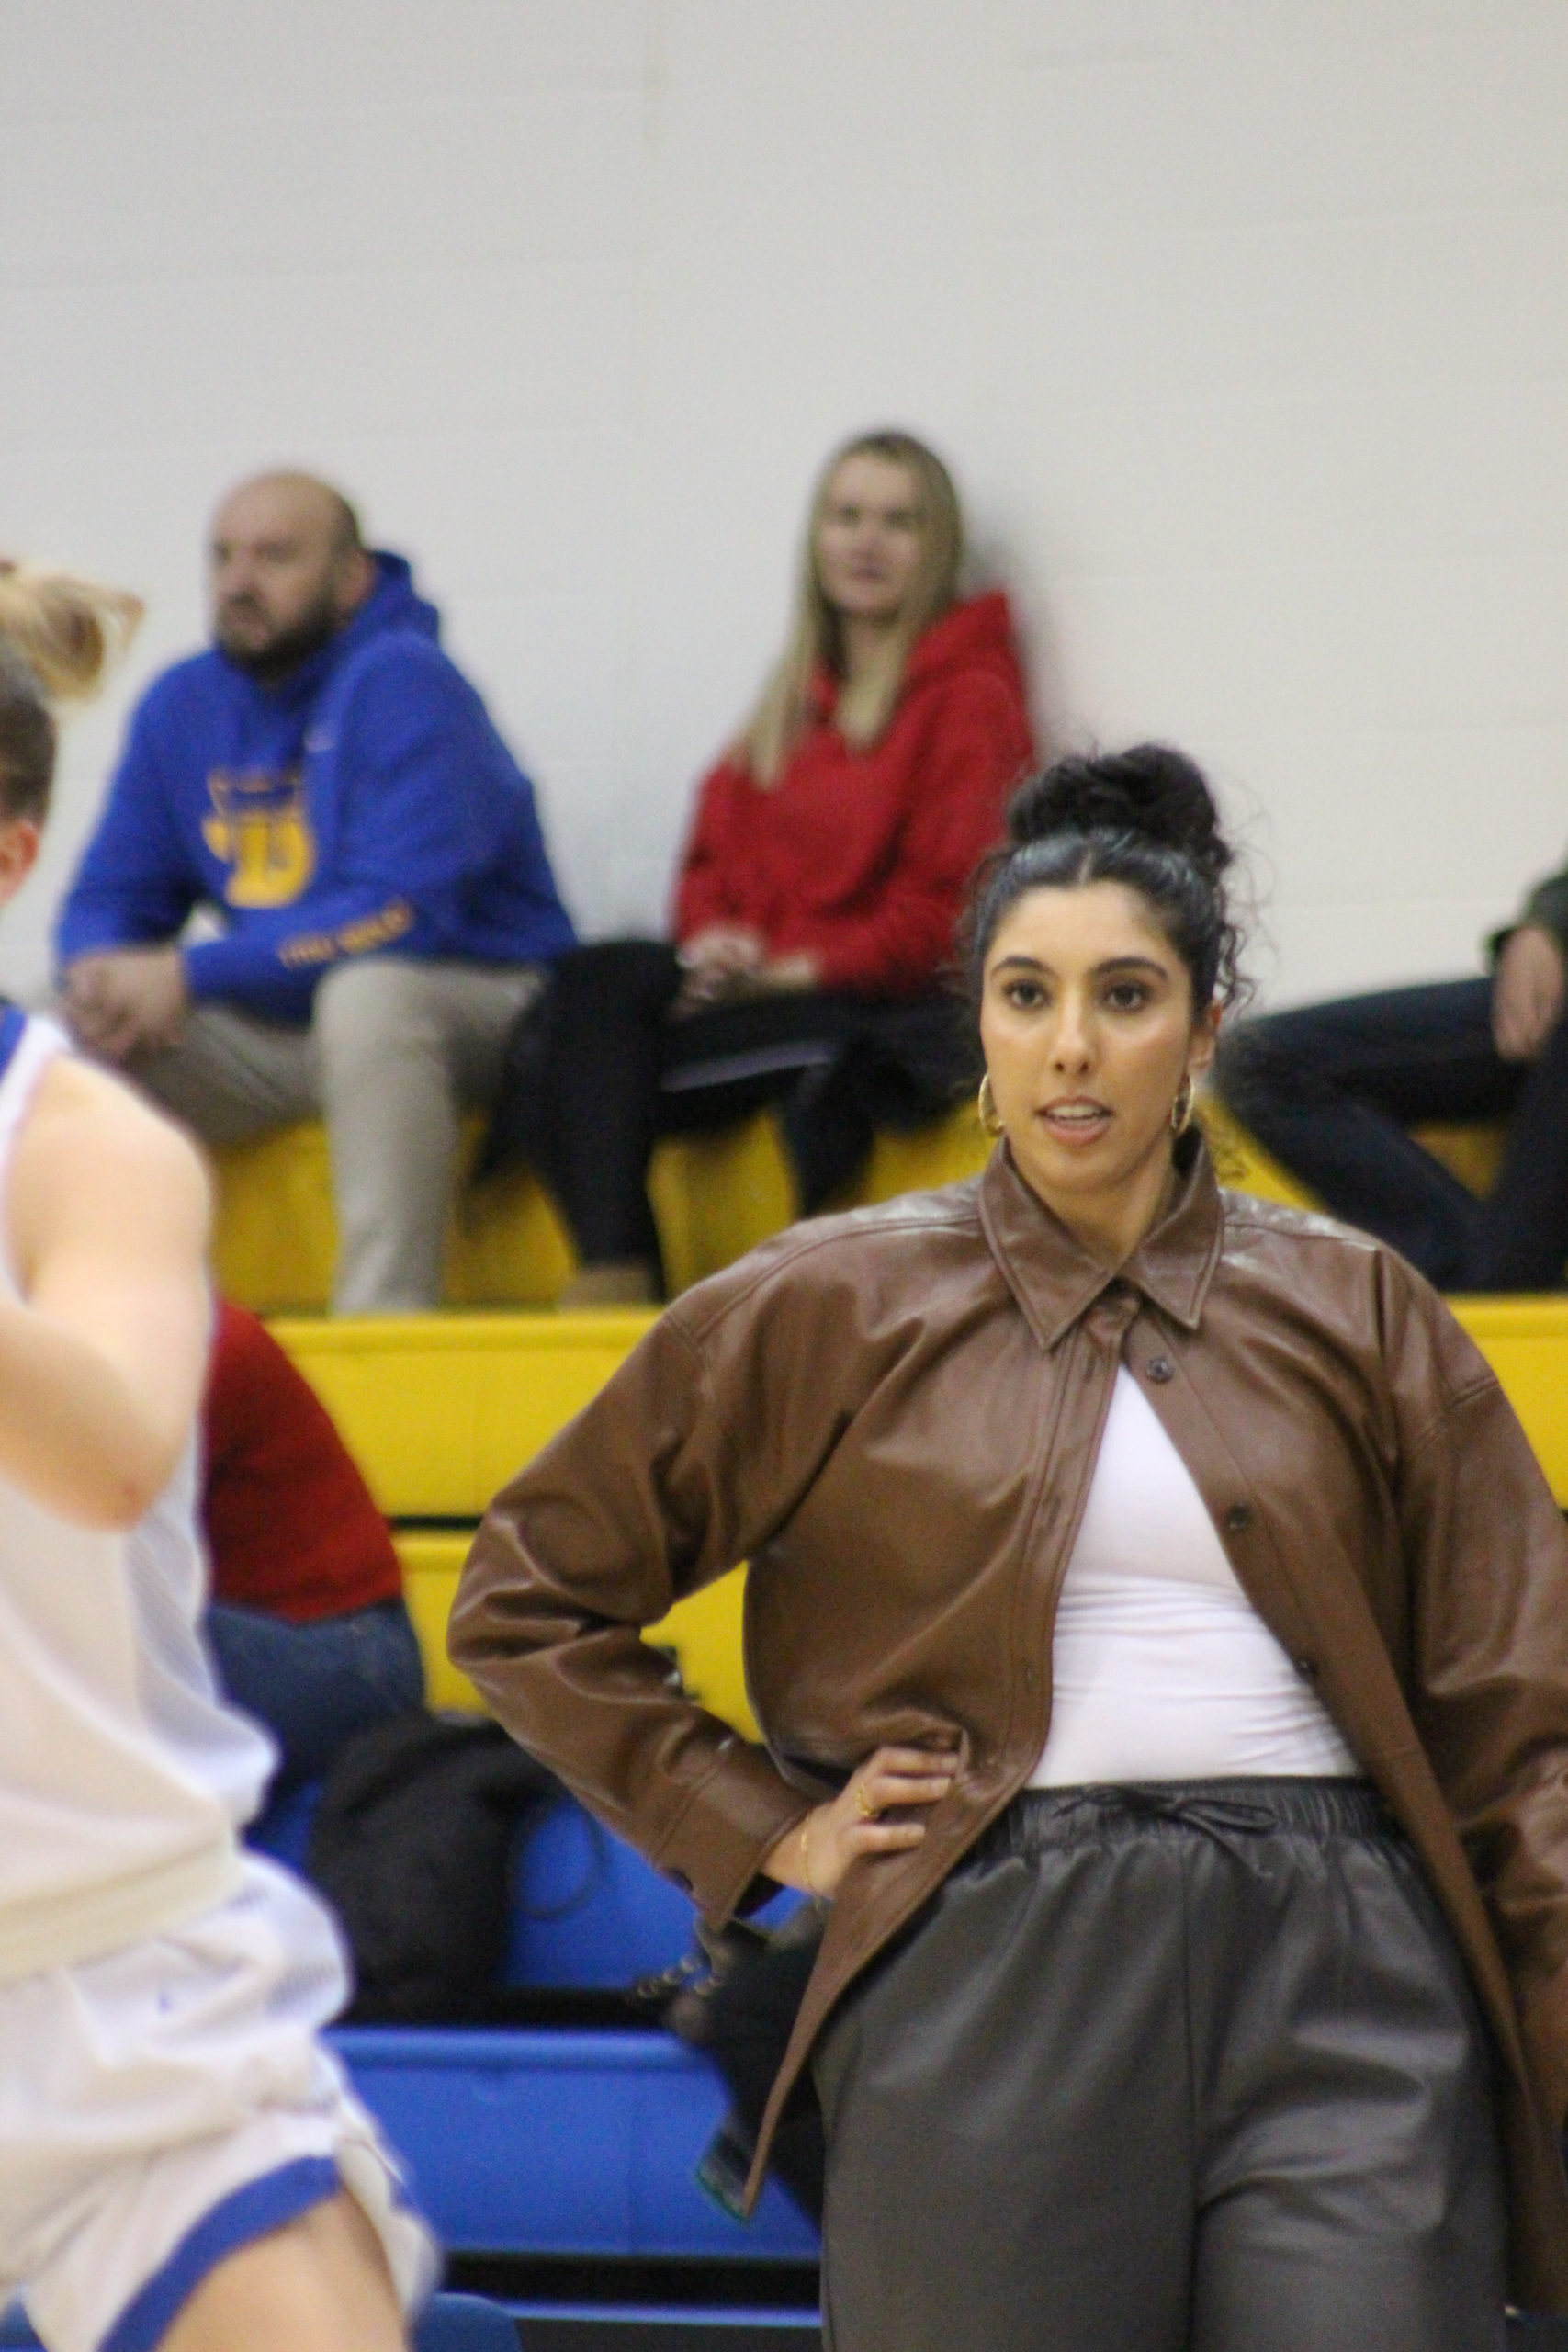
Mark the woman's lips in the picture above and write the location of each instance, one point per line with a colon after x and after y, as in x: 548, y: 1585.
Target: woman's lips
x: 1075, y: 1122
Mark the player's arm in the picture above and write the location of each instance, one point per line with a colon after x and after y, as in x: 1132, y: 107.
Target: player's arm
x: 101, y: 1368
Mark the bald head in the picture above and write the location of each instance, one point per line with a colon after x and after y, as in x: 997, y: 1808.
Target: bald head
x: 307, y: 502
x: 286, y: 571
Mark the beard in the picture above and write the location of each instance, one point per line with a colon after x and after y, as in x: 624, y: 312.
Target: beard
x: 269, y: 655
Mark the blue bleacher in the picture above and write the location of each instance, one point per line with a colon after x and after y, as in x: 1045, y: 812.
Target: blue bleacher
x: 587, y: 1911
x: 557, y: 2142
x: 554, y: 2141
x: 549, y: 2142
x: 661, y: 2327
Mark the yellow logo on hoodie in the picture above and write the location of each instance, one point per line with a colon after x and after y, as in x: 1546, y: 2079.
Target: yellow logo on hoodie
x: 259, y: 829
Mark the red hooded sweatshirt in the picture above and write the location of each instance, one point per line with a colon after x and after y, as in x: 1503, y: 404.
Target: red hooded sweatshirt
x: 290, y: 1525
x: 862, y: 857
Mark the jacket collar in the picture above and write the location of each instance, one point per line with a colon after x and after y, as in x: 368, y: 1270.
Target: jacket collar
x: 1055, y: 1279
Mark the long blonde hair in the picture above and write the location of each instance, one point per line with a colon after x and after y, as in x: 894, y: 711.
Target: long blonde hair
x: 816, y: 637
x: 58, y: 635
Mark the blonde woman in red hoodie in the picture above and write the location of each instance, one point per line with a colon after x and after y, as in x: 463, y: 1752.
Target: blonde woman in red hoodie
x: 815, y: 906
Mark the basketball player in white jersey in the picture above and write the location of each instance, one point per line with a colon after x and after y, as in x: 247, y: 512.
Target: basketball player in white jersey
x: 182, y: 2166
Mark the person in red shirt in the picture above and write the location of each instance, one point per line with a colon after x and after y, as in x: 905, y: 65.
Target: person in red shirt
x: 815, y: 906
x: 307, y: 1622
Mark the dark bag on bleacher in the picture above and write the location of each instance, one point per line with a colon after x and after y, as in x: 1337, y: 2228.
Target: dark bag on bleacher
x: 741, y: 2007
x: 412, y: 1845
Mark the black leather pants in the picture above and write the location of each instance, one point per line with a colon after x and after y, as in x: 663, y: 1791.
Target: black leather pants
x: 1190, y: 2067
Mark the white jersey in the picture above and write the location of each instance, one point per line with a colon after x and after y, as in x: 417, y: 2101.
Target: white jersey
x: 123, y: 1776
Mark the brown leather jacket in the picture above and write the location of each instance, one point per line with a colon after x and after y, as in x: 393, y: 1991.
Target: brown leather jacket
x: 894, y: 1415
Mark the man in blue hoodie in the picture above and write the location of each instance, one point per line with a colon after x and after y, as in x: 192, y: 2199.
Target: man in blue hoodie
x: 328, y: 783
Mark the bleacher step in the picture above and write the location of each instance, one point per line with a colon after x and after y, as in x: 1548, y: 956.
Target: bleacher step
x: 441, y: 1411
x: 668, y: 2331
x: 562, y: 2142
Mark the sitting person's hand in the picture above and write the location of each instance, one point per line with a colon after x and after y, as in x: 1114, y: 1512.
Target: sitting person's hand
x: 727, y: 962
x: 127, y: 1001
x: 814, y: 1855
x: 790, y: 975
x: 1527, y: 993
x: 719, y: 964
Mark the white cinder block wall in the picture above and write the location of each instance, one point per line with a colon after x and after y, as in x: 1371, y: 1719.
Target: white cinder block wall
x: 1245, y: 323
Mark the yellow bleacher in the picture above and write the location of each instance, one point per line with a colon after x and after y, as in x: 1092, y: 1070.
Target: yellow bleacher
x: 439, y: 1410
x: 702, y: 1634
x: 713, y: 1197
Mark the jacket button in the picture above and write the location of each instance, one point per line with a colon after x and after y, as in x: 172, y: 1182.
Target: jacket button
x: 1238, y: 1518
x: 1160, y: 1369
x: 1306, y: 1668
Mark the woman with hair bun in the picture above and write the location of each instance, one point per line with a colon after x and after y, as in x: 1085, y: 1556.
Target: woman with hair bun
x: 1158, y: 1627
x: 815, y: 906
x: 182, y: 2163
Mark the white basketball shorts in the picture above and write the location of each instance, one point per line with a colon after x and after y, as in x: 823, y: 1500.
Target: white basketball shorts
x: 170, y: 2102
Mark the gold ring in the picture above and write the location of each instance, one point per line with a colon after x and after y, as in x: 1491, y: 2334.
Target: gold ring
x: 867, y: 1812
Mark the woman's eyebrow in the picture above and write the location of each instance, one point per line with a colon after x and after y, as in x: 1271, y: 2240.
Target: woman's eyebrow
x: 1019, y: 962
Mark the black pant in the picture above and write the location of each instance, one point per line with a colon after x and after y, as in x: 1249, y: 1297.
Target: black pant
x: 600, y: 1072
x: 1330, y: 1090
x: 1168, y: 2069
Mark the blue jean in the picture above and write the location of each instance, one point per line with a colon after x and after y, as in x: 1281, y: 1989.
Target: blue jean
x: 1330, y: 1090
x: 315, y: 1685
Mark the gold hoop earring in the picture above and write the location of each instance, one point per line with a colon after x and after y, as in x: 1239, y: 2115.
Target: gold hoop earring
x: 986, y: 1107
x: 1182, y: 1109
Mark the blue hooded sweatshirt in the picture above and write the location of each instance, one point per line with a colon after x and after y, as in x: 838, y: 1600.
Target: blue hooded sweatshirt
x: 365, y: 804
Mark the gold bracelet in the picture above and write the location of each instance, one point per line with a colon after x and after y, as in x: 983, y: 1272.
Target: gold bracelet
x: 805, y: 1858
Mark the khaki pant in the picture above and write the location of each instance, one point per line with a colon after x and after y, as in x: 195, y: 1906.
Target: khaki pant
x: 395, y: 1051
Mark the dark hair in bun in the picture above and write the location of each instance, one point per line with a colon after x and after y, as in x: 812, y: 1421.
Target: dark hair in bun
x: 1144, y: 818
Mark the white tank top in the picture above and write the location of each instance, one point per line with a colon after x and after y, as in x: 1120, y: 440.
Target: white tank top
x: 123, y: 1777
x: 1162, y: 1670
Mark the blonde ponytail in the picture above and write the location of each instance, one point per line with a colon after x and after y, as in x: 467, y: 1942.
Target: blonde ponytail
x: 58, y: 635
x: 68, y: 631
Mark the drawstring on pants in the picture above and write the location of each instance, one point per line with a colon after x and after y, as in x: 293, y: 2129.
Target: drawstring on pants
x: 1227, y: 1820
x: 1233, y: 1813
